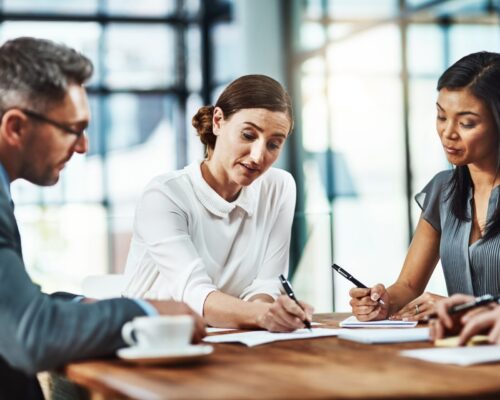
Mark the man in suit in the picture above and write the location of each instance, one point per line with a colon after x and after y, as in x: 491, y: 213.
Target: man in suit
x: 44, y: 113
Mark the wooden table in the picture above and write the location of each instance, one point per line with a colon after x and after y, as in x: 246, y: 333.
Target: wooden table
x: 324, y: 368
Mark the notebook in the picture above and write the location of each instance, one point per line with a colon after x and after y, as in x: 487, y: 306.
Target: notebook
x: 352, y: 322
x: 381, y: 335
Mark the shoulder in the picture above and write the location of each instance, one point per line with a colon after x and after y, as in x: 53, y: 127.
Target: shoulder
x: 443, y: 177
x: 167, y: 180
x: 435, y: 192
x: 439, y: 182
x: 171, y: 190
x: 277, y: 188
x: 170, y: 184
x: 276, y: 178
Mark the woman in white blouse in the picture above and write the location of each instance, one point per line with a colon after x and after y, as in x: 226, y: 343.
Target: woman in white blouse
x: 216, y: 234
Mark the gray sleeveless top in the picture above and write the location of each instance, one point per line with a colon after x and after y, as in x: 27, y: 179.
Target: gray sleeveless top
x: 473, y: 269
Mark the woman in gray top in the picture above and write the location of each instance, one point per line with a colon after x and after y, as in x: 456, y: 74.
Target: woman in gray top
x: 460, y: 220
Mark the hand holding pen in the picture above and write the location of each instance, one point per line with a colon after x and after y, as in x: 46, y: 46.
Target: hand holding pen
x: 459, y: 314
x: 289, y: 291
x: 367, y: 303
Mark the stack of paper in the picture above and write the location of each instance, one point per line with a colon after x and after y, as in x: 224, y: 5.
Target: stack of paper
x: 385, y: 335
x: 457, y: 355
x: 255, y: 338
x: 353, y: 322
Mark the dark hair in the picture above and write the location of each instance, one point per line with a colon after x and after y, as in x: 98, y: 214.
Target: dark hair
x: 35, y: 73
x: 480, y: 74
x: 248, y: 91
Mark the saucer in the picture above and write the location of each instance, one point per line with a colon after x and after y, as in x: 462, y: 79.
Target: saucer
x: 188, y: 354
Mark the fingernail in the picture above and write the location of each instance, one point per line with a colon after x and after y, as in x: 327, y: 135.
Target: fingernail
x: 374, y: 296
x: 405, y: 318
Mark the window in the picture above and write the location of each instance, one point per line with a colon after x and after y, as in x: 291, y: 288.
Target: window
x: 356, y: 64
x: 147, y: 83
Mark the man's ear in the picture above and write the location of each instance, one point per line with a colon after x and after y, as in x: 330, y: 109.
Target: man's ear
x: 13, y: 127
x: 217, y: 119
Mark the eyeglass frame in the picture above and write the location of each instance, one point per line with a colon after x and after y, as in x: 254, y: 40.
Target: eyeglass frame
x: 47, y: 120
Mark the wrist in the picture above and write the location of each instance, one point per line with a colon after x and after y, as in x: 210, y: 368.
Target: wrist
x: 261, y: 313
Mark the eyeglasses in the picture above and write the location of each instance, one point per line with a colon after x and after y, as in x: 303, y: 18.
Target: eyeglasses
x: 49, y: 121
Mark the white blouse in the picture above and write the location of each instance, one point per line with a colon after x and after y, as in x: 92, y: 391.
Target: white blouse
x: 188, y: 241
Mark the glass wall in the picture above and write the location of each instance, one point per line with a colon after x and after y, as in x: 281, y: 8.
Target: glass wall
x: 365, y: 74
x: 149, y: 79
x: 362, y: 74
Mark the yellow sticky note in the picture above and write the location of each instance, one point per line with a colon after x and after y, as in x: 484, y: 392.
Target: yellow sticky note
x: 452, y: 341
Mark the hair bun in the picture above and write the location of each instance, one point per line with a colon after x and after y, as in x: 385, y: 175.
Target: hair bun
x: 202, y: 122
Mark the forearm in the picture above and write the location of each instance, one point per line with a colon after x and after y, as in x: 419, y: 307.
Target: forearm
x: 422, y: 257
x: 262, y: 298
x: 400, y: 294
x: 225, y: 311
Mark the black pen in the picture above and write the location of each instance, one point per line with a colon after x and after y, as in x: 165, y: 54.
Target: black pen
x: 289, y: 292
x: 477, y: 302
x: 352, y: 279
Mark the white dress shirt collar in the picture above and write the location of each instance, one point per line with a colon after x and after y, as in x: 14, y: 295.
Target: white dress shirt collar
x: 212, y: 201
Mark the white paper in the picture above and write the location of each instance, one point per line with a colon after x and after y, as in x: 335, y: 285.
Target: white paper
x: 457, y: 355
x: 352, y: 322
x: 385, y: 335
x: 254, y: 338
x: 211, y: 329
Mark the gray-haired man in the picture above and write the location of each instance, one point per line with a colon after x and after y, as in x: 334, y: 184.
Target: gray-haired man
x: 44, y: 113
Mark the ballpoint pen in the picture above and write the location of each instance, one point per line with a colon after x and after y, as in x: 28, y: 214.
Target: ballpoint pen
x: 291, y: 294
x: 477, y: 302
x: 352, y: 279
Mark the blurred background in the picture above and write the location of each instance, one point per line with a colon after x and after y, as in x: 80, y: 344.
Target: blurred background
x: 362, y: 74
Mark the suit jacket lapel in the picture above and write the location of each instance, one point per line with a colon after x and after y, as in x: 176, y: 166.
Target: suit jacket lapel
x: 9, y: 220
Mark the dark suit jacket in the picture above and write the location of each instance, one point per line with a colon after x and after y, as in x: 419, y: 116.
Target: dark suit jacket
x: 40, y: 332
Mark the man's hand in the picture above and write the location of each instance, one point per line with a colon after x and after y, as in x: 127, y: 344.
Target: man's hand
x: 170, y: 307
x: 88, y: 300
x: 446, y: 324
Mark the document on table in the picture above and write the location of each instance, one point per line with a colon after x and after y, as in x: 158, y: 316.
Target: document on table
x: 353, y: 322
x: 254, y: 338
x: 211, y: 329
x: 457, y: 355
x: 385, y: 335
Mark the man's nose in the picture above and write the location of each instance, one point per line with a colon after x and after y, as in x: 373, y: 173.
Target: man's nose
x: 82, y: 143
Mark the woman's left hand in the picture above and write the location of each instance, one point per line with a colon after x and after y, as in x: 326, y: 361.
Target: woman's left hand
x: 418, y: 309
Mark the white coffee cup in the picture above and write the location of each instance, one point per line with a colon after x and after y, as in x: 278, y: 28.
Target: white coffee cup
x: 163, y: 331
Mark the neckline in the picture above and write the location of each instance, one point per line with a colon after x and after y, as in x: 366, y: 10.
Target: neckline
x: 213, y: 201
x: 492, y: 204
